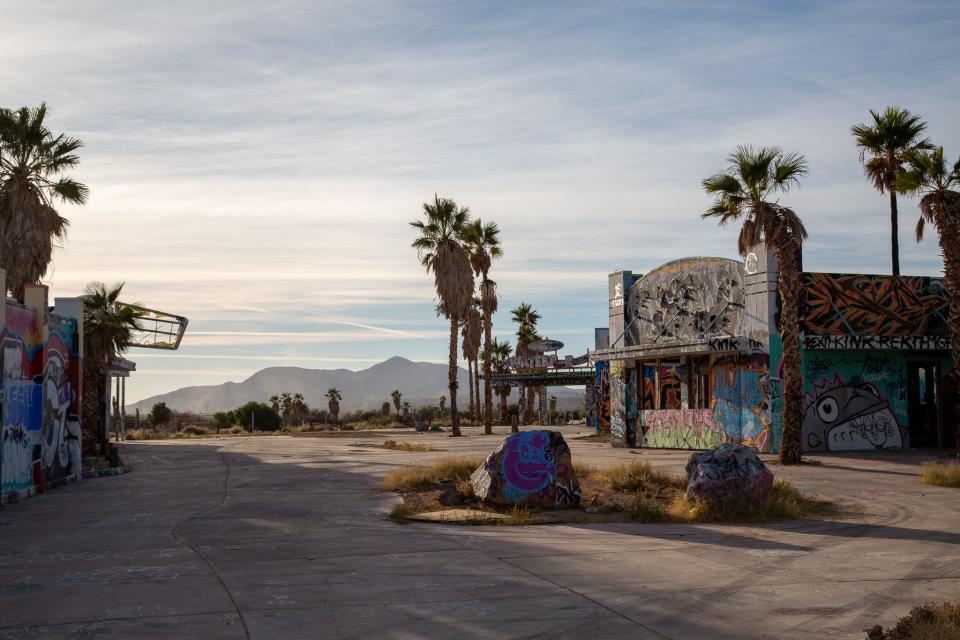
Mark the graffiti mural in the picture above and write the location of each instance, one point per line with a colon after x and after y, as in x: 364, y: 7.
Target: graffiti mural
x: 843, y: 417
x: 61, y: 400
x: 870, y: 305
x: 600, y: 408
x: 741, y: 404
x: 530, y: 467
x: 623, y: 406
x: 854, y: 400
x: 671, y: 386
x: 22, y: 410
x: 684, y: 429
x: 688, y: 299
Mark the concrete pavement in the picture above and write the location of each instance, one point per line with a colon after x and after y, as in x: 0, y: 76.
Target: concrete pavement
x: 286, y: 537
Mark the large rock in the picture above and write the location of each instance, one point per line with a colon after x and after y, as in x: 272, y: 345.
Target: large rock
x: 530, y: 467
x: 731, y: 473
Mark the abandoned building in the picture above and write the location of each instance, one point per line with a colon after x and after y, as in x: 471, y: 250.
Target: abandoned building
x: 691, y: 358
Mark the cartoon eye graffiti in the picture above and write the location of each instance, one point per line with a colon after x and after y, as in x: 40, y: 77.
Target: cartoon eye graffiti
x: 828, y: 410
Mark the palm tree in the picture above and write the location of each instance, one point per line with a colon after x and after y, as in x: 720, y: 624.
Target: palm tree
x: 286, y: 407
x: 884, y: 145
x: 471, y: 348
x: 333, y: 402
x: 499, y: 352
x: 442, y: 401
x: 396, y: 395
x: 275, y: 403
x: 483, y: 242
x: 108, y: 325
x: 32, y: 163
x: 928, y: 173
x: 406, y: 409
x: 299, y: 407
x: 743, y: 192
x: 440, y: 250
x: 526, y: 318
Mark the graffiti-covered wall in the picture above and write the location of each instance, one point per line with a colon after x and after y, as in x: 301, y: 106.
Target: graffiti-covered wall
x: 40, y: 398
x: 870, y: 305
x: 688, y: 299
x: 22, y: 354
x: 623, y: 406
x: 739, y: 410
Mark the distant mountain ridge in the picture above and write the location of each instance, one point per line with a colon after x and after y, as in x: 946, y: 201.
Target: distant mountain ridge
x: 421, y: 383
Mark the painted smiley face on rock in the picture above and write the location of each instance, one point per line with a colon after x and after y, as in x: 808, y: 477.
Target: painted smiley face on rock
x: 528, y: 465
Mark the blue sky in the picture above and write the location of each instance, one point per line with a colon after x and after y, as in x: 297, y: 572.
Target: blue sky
x: 253, y: 166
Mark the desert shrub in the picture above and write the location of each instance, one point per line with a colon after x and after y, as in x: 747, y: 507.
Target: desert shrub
x: 236, y: 429
x: 941, y: 475
x: 259, y: 416
x: 145, y: 434
x: 194, y: 430
x: 224, y: 419
x: 647, y: 509
x: 160, y: 414
x: 931, y: 621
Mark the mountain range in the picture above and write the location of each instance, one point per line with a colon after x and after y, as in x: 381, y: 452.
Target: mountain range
x: 421, y: 384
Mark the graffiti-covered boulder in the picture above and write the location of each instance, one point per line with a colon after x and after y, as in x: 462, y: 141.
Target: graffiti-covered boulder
x: 532, y: 468
x: 731, y: 473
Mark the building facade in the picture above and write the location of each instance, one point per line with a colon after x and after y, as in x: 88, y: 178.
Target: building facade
x: 693, y: 358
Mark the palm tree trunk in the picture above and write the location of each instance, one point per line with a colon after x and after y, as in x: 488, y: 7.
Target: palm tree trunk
x: 487, y: 388
x: 476, y: 385
x: 950, y: 247
x: 452, y: 378
x: 894, y: 233
x: 791, y: 443
x: 470, y: 385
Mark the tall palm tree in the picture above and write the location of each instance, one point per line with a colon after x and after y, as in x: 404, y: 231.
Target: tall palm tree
x: 440, y: 250
x: 442, y: 401
x: 396, y: 395
x: 32, y: 163
x: 299, y: 407
x: 929, y: 174
x: 406, y: 408
x: 884, y: 145
x: 275, y: 403
x: 108, y: 326
x: 499, y: 352
x: 471, y: 348
x: 333, y: 402
x: 483, y: 242
x: 526, y: 318
x: 742, y: 192
x: 286, y: 407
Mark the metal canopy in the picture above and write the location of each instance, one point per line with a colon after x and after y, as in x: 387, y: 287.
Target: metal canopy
x: 159, y: 330
x: 572, y: 377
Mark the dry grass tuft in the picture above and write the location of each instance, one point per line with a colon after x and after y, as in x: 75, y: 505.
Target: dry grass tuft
x: 416, y: 477
x: 192, y: 431
x: 401, y: 513
x: 145, y: 434
x: 783, y: 502
x: 519, y: 516
x: 647, y: 509
x: 636, y: 476
x: 931, y: 621
x: 941, y: 475
x: 393, y: 445
x: 465, y: 487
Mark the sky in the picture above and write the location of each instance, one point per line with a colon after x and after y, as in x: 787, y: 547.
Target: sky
x: 254, y: 165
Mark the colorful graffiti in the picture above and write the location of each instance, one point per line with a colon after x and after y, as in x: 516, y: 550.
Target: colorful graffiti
x: 843, y: 417
x: 61, y: 395
x: 530, y: 467
x: 688, y: 299
x: 22, y: 398
x: 648, y: 387
x: 741, y: 402
x: 600, y: 406
x: 683, y: 429
x: 854, y: 400
x: 41, y: 400
x: 841, y: 304
x: 671, y: 387
x: 623, y: 406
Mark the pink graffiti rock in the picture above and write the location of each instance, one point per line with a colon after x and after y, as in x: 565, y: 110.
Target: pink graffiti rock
x: 530, y: 467
x: 731, y: 473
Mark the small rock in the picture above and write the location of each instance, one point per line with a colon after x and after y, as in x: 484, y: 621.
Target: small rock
x: 731, y: 473
x: 451, y: 498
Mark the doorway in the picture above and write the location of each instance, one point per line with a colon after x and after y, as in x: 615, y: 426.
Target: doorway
x: 922, y: 403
